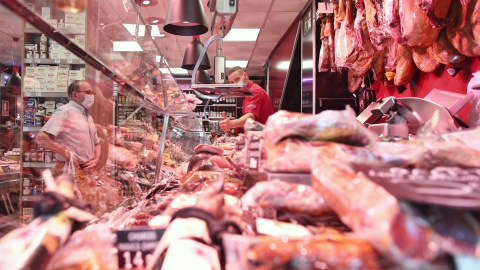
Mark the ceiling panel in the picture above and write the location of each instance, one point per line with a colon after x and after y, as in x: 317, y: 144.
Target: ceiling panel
x: 273, y: 17
x: 280, y: 20
x: 288, y: 5
x: 254, y: 5
x: 249, y: 20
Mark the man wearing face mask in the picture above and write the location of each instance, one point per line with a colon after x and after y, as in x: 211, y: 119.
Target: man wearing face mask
x: 258, y: 107
x: 71, y: 133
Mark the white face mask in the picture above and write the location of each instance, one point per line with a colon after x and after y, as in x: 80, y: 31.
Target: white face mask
x: 88, y: 102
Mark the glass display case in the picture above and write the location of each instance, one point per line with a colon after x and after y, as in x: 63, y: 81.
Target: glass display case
x: 145, y: 124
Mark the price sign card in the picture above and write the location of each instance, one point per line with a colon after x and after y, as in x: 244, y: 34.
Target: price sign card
x: 135, y: 247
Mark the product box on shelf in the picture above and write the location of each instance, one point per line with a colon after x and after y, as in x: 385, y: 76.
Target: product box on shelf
x: 42, y: 70
x: 49, y: 106
x: 46, y: 13
x: 30, y: 71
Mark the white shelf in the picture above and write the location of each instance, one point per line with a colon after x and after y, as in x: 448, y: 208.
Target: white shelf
x: 79, y: 31
x: 39, y: 164
x: 53, y: 61
x: 222, y: 105
x: 45, y: 94
x: 31, y: 128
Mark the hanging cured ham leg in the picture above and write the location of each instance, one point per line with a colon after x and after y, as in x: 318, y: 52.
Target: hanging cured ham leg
x: 405, y: 66
x: 443, y: 51
x: 460, y: 29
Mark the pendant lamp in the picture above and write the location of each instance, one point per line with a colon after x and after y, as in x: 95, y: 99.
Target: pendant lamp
x: 203, y: 77
x: 70, y: 6
x: 185, y: 18
x: 192, y: 53
x: 14, y: 82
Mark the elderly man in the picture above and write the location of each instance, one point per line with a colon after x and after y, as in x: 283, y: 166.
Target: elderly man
x: 259, y: 107
x: 71, y: 134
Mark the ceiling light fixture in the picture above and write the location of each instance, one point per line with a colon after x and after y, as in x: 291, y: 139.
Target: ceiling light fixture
x: 242, y: 34
x: 185, y: 18
x: 192, y: 53
x: 126, y: 46
x: 14, y: 82
x: 203, y: 77
x: 234, y: 63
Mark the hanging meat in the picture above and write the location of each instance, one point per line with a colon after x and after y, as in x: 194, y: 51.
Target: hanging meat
x: 459, y: 30
x: 428, y: 7
x: 443, y: 51
x: 376, y: 23
x: 377, y: 66
x: 405, y: 69
x: 415, y: 25
x: 330, y: 33
x: 423, y: 60
x: 324, y: 56
x: 475, y: 21
x: 392, y: 19
x: 345, y: 47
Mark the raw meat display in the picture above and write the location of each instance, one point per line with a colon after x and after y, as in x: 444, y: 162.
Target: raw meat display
x: 209, y: 149
x: 285, y: 196
x: 393, y: 229
x: 337, y: 126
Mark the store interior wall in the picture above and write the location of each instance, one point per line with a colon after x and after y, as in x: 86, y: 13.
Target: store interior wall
x: 280, y: 63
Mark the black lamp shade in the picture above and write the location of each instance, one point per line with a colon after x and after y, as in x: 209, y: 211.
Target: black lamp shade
x: 192, y: 53
x: 185, y: 18
x: 14, y: 82
x: 203, y: 77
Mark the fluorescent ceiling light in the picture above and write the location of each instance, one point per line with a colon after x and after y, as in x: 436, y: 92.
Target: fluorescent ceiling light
x: 178, y: 71
x: 283, y: 65
x: 242, y: 34
x: 234, y: 63
x: 155, y: 32
x: 126, y: 46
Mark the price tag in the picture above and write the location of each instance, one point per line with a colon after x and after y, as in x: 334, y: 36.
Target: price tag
x: 38, y: 94
x: 135, y: 247
x: 38, y: 60
x: 69, y: 61
x: 28, y: 60
x: 57, y: 61
x: 81, y: 61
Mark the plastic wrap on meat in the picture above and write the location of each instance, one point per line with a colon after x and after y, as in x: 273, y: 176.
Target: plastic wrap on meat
x: 330, y: 250
x: 209, y: 149
x: 122, y: 157
x: 450, y: 153
x: 444, y: 52
x: 370, y: 211
x: 338, y: 126
x: 423, y: 60
x: 460, y: 29
x: 285, y: 196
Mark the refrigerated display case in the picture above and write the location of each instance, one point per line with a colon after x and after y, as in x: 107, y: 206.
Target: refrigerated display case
x: 143, y: 118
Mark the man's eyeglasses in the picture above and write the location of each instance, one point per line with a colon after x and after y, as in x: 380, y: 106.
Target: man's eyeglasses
x: 87, y: 92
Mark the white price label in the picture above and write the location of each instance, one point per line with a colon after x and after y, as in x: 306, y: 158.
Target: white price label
x: 37, y: 60
x: 38, y: 94
x: 57, y: 61
x: 81, y: 61
x: 69, y: 61
x: 28, y: 60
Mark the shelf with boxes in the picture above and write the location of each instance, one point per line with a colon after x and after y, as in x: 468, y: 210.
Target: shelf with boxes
x: 48, y: 69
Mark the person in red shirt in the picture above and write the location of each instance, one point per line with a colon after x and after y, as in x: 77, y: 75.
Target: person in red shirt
x: 257, y: 107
